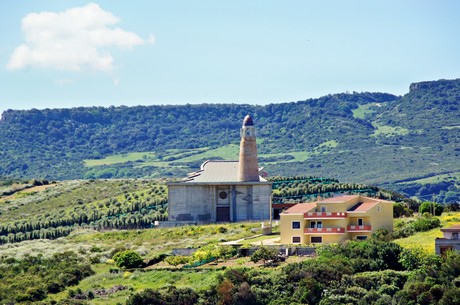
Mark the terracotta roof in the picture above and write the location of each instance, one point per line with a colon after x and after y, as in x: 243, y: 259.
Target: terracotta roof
x: 364, y: 206
x: 454, y: 228
x: 300, y: 208
x: 337, y: 199
x: 216, y: 171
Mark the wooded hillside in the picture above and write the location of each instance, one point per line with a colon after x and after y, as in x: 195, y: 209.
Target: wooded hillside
x: 372, y: 138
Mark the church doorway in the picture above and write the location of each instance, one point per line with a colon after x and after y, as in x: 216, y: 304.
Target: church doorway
x: 223, y: 214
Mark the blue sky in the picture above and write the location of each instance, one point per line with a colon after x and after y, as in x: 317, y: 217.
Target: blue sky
x: 59, y: 54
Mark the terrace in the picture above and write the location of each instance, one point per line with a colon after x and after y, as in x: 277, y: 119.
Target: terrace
x: 324, y: 231
x: 363, y: 228
x: 325, y: 215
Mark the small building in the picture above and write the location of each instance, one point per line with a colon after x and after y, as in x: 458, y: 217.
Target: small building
x: 450, y: 240
x: 223, y: 191
x: 335, y: 219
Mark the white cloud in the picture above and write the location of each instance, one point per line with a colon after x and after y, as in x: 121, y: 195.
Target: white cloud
x: 75, y: 39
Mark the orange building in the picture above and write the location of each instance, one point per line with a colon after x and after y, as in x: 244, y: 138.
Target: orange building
x: 335, y: 219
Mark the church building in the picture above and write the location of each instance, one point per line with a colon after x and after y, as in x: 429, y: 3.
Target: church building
x: 223, y: 191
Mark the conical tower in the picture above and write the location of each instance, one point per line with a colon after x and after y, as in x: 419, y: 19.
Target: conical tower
x: 248, y: 167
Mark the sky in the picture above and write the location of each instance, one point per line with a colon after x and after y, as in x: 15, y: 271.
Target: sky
x: 69, y: 53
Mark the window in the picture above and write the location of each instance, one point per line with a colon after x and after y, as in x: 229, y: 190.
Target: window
x: 296, y: 224
x: 361, y: 237
x: 316, y: 239
x: 223, y: 195
x: 455, y: 235
x: 316, y: 224
x: 323, y: 209
x: 360, y: 221
x: 296, y: 239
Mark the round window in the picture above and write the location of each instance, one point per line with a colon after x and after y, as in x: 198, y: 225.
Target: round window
x: 223, y: 195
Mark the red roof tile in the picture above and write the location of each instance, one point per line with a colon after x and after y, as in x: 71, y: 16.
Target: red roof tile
x: 365, y: 206
x: 301, y: 208
x: 338, y: 199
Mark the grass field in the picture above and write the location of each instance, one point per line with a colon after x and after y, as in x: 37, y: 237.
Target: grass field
x: 425, y: 240
x: 227, y: 152
x: 363, y: 110
x: 176, y: 158
x: 122, y: 158
x: 437, y: 178
x: 198, y: 280
x: 385, y: 130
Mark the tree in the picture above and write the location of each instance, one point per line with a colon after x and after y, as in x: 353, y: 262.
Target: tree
x: 264, y: 254
x: 127, y: 259
x: 430, y: 207
x: 225, y: 292
x: 400, y: 209
x: 244, y: 295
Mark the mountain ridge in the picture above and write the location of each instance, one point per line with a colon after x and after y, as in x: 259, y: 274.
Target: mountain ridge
x: 366, y: 137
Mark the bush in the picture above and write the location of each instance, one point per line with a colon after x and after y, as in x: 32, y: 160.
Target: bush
x: 169, y: 296
x: 264, y: 254
x: 128, y: 259
x: 400, y: 209
x: 177, y: 260
x: 148, y: 296
x: 421, y: 224
x: 415, y: 258
x: 427, y: 207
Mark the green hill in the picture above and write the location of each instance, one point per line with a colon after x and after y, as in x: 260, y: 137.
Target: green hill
x: 43, y: 210
x: 372, y: 138
x: 79, y: 269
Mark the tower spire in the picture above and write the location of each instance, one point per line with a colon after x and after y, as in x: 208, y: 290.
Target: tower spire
x: 248, y: 167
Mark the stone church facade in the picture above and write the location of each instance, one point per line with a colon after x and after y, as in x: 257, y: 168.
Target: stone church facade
x: 223, y: 191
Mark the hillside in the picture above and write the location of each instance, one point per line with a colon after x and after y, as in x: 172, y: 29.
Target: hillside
x: 79, y: 269
x: 372, y: 138
x: 58, y: 243
x: 43, y: 210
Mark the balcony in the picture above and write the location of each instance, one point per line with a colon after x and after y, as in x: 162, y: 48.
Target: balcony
x: 324, y: 231
x: 354, y: 228
x: 325, y: 215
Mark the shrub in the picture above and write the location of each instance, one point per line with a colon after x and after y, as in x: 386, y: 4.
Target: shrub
x: 428, y: 207
x: 177, y: 260
x: 244, y: 295
x: 264, y: 254
x: 169, y: 296
x: 421, y: 224
x: 400, y: 209
x: 148, y: 296
x: 451, y: 296
x: 128, y: 259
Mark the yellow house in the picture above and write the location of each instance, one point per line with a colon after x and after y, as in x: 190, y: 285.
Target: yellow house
x: 335, y: 219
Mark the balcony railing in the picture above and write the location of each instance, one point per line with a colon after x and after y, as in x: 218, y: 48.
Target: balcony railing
x: 354, y: 228
x: 325, y: 215
x: 324, y: 231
